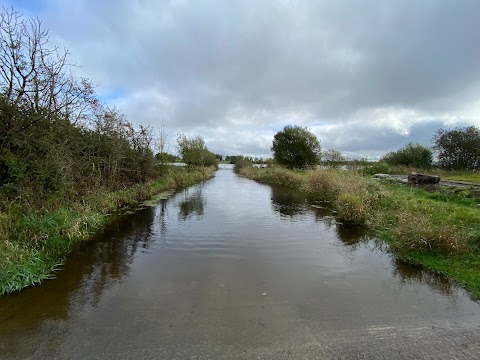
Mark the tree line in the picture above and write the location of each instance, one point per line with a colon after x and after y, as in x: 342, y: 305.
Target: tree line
x: 455, y: 149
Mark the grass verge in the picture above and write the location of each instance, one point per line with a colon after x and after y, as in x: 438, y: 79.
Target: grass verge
x: 34, y: 244
x: 439, y: 230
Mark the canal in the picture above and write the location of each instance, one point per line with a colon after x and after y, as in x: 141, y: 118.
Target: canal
x: 233, y: 269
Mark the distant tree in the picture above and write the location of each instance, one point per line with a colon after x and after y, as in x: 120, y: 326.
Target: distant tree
x: 458, y: 149
x: 296, y: 147
x: 166, y: 158
x: 412, y: 155
x: 356, y: 163
x: 333, y: 158
x: 194, y: 151
x: 162, y: 155
x: 241, y: 162
x: 219, y: 157
x: 233, y: 159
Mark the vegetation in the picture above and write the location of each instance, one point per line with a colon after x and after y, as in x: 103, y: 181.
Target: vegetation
x: 34, y: 244
x: 296, y: 147
x: 458, y: 149
x: 253, y: 160
x: 438, y: 230
x: 66, y: 160
x: 241, y: 162
x: 412, y: 155
x: 372, y: 168
x: 194, y: 151
x: 333, y: 159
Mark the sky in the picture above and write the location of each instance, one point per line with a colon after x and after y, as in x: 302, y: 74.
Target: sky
x: 366, y: 76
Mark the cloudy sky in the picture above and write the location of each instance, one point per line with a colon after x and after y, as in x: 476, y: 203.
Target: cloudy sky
x: 365, y: 76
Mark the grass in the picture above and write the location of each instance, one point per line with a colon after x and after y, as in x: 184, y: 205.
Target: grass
x: 471, y: 177
x: 468, y: 176
x: 439, y: 230
x: 34, y: 244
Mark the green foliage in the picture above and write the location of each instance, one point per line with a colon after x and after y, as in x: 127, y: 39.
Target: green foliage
x: 296, y: 147
x: 375, y: 168
x: 164, y: 158
x: 458, y: 149
x: 241, y: 162
x: 34, y: 244
x: 194, y: 151
x: 11, y: 169
x: 411, y: 155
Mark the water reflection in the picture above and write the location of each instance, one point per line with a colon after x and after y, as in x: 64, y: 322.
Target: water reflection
x: 411, y: 274
x: 94, y: 268
x: 350, y: 235
x: 292, y: 205
x: 193, y: 203
x: 287, y: 202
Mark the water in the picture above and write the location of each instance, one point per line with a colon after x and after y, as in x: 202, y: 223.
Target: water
x: 235, y: 269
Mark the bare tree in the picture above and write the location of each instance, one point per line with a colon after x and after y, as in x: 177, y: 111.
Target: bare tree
x: 36, y: 77
x: 161, y: 144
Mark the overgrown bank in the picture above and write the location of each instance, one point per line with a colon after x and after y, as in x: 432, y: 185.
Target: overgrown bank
x: 34, y: 243
x: 440, y: 231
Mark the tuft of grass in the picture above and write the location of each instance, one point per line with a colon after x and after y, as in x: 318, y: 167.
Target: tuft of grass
x: 352, y: 208
x: 421, y: 231
x: 321, y: 185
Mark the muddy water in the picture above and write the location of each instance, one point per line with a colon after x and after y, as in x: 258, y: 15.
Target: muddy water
x: 235, y: 269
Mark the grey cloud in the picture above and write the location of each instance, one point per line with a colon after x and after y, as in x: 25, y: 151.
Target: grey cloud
x: 267, y: 64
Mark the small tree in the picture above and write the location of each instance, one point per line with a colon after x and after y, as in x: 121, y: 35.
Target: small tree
x: 194, y: 151
x: 296, y: 147
x: 333, y: 158
x: 458, y: 149
x: 162, y: 155
x: 412, y: 155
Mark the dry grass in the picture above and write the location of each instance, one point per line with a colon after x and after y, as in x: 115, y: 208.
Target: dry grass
x: 421, y: 231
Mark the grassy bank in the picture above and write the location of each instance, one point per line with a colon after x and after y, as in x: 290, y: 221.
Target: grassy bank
x: 34, y: 243
x: 440, y: 231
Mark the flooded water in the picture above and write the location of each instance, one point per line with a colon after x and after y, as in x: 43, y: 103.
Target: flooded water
x: 236, y: 269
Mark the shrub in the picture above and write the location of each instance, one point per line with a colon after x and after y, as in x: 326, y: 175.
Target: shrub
x: 241, y: 162
x: 411, y: 155
x: 376, y: 168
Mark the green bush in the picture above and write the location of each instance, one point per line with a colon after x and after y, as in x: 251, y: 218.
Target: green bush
x: 411, y: 155
x: 375, y: 168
